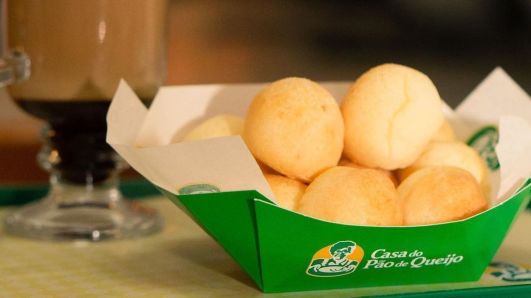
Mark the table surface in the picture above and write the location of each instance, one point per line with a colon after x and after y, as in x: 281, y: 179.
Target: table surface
x: 180, y: 261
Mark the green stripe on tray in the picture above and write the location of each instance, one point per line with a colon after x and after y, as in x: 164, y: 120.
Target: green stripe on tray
x: 497, y: 291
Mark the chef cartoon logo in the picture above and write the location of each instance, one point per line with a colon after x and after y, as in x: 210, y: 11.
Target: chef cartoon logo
x: 484, y: 141
x: 337, y: 259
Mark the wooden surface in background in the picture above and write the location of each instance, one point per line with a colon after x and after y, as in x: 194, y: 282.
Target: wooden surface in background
x: 18, y: 164
x: 19, y: 144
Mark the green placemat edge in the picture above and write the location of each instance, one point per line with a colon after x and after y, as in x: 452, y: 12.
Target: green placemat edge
x: 24, y: 193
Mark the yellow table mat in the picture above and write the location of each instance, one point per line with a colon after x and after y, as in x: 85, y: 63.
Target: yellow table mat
x: 180, y: 261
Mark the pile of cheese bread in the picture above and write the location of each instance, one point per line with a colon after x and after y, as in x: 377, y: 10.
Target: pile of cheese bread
x: 384, y: 156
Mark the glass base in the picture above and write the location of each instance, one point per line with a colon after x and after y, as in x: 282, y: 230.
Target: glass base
x: 81, y: 213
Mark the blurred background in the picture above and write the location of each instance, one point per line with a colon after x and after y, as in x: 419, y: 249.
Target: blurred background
x: 456, y: 43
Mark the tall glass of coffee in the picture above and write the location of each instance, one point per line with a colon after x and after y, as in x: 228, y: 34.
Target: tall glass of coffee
x: 79, y: 50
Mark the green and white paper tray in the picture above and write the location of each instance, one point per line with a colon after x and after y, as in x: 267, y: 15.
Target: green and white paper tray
x: 218, y: 183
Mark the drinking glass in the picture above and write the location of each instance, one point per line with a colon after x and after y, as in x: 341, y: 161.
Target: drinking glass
x: 79, y: 50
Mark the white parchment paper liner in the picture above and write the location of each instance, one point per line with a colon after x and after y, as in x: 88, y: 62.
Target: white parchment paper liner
x: 142, y: 137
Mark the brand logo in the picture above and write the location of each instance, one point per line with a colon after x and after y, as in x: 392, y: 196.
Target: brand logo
x: 484, y: 141
x: 340, y: 258
x: 344, y: 257
x: 197, y: 189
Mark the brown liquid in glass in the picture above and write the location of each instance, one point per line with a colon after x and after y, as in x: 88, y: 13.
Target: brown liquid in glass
x: 77, y: 133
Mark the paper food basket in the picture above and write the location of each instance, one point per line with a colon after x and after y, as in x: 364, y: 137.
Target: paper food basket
x: 218, y: 184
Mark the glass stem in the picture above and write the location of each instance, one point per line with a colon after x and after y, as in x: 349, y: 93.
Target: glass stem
x: 103, y: 194
x: 78, y: 157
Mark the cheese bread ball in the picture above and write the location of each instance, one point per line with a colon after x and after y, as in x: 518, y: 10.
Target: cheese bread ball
x: 294, y: 126
x: 217, y: 126
x: 391, y: 113
x: 347, y: 163
x: 440, y: 194
x: 352, y: 196
x: 454, y: 154
x: 444, y: 133
x: 287, y: 191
